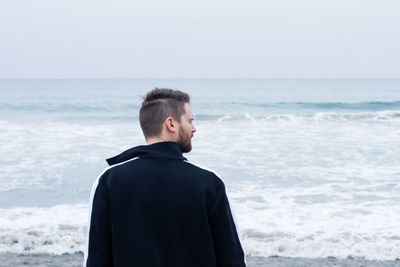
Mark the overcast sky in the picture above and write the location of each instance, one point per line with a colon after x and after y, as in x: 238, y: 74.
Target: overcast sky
x: 200, y: 39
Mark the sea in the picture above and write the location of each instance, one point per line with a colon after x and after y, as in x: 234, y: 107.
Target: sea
x: 311, y: 166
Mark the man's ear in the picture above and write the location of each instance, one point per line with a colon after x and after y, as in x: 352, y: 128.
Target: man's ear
x: 170, y: 124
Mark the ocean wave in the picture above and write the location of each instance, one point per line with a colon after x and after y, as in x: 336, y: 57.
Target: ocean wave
x: 69, y: 107
x: 62, y: 229
x: 111, y: 106
x: 375, y: 105
x: 322, y: 245
x: 367, y: 105
x: 379, y: 116
x: 56, y: 230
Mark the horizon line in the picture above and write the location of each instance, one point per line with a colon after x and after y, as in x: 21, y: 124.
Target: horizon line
x: 207, y: 78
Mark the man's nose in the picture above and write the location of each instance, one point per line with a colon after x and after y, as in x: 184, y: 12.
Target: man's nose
x: 193, y: 128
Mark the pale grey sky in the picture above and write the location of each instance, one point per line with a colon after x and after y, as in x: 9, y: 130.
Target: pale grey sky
x: 200, y: 39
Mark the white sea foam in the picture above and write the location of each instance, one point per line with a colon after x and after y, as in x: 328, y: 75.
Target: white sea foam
x: 386, y: 116
x: 59, y: 229
x: 43, y: 154
x: 322, y: 224
x: 271, y: 223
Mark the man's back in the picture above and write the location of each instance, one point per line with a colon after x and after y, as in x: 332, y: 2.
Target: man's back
x: 153, y: 208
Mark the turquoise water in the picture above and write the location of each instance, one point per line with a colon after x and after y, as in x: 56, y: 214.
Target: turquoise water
x: 311, y: 166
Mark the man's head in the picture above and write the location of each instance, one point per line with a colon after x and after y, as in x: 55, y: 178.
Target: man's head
x: 165, y: 115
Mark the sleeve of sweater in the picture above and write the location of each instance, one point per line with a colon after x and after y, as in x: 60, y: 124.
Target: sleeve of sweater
x: 99, y: 250
x: 227, y: 244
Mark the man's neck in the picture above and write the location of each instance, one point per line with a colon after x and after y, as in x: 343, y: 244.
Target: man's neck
x: 153, y: 140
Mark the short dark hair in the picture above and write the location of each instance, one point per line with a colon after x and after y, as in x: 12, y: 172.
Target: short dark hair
x: 159, y: 104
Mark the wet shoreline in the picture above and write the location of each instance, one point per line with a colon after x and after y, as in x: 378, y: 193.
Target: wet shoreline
x: 76, y: 259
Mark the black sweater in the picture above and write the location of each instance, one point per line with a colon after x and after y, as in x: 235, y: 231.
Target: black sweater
x: 152, y: 208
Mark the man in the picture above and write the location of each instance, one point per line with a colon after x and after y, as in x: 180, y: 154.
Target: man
x: 153, y: 208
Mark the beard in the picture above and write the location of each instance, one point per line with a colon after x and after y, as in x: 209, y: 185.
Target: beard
x: 184, y: 141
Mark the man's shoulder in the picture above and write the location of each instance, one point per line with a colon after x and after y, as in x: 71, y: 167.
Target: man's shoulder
x: 204, y: 172
x: 115, y: 168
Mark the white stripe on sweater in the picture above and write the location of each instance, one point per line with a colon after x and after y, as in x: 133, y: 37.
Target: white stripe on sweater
x: 94, y: 187
x: 231, y: 208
